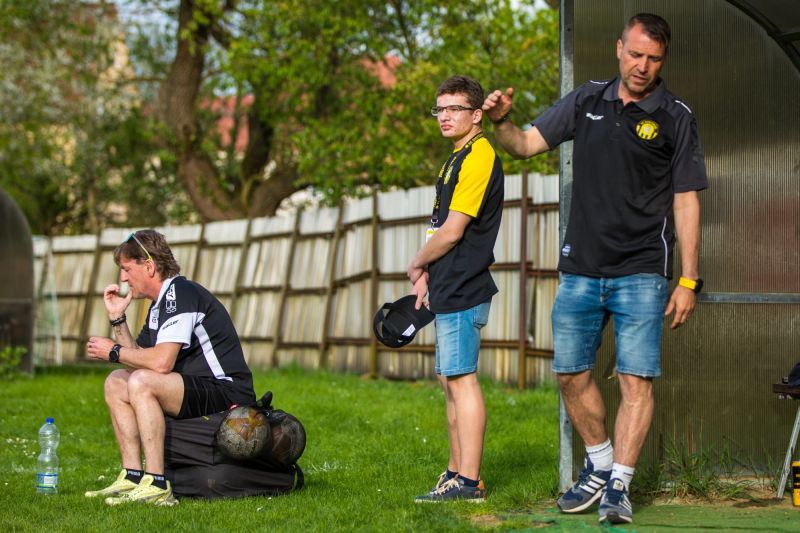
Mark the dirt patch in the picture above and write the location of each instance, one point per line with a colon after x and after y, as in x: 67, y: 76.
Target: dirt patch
x: 493, y: 521
x: 486, y: 520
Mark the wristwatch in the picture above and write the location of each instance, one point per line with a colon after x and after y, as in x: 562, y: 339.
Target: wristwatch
x: 694, y: 285
x: 113, y: 355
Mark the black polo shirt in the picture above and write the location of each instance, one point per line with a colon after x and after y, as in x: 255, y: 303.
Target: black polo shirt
x: 628, y: 163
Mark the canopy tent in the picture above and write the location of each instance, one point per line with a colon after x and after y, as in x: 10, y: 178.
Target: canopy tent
x: 16, y: 291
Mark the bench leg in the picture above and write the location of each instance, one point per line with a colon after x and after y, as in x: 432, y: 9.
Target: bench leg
x: 787, y: 463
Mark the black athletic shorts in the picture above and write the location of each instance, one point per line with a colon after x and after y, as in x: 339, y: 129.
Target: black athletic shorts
x: 203, y: 396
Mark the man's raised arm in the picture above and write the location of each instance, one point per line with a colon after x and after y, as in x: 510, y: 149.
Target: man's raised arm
x: 519, y: 144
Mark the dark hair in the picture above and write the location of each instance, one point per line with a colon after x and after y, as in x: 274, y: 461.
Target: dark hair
x: 463, y: 85
x: 654, y: 26
x: 156, y: 245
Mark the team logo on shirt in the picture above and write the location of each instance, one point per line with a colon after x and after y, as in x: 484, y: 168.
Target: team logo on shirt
x: 154, y: 318
x: 647, y: 130
x: 172, y: 305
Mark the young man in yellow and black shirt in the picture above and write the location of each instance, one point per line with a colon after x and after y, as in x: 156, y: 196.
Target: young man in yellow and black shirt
x: 453, y: 267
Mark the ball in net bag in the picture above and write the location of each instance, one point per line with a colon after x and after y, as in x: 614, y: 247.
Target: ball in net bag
x: 245, y: 433
x: 288, y: 437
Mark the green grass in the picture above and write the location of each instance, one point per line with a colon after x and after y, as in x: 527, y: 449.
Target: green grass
x: 372, y: 446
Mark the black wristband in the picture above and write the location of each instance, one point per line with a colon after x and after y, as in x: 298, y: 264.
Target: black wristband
x: 501, y: 119
x: 118, y: 321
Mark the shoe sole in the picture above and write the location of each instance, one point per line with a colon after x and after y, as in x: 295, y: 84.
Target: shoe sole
x: 583, y: 506
x: 470, y: 500
x: 615, y: 518
x: 163, y: 503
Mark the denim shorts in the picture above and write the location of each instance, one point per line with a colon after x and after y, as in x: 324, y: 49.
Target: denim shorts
x: 583, y: 307
x: 458, y: 339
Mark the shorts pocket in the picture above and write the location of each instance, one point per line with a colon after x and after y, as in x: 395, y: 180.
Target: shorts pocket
x: 480, y: 316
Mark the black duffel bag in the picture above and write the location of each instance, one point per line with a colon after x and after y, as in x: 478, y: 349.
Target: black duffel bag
x: 197, y: 467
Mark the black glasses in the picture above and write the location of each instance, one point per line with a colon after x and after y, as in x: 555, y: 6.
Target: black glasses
x: 133, y: 236
x: 437, y: 110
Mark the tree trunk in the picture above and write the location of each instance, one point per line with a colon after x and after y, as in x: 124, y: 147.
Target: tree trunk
x: 262, y: 197
x: 267, y: 197
x: 178, y: 103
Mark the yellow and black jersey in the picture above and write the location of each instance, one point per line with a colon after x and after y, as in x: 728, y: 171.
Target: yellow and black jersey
x: 470, y: 182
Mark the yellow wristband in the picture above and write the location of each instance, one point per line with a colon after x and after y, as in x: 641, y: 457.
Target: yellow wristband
x: 688, y: 283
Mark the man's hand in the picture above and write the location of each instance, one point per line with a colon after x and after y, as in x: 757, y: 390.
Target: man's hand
x: 420, y: 290
x: 99, y: 348
x: 682, y: 302
x: 414, y: 272
x: 498, y: 104
x: 116, y: 304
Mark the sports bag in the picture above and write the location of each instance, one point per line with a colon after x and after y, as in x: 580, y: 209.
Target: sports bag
x: 197, y: 467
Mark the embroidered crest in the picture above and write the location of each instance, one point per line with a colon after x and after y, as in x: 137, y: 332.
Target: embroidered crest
x: 172, y: 305
x: 647, y: 129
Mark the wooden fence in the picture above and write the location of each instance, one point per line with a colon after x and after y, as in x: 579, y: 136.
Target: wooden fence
x: 303, y: 288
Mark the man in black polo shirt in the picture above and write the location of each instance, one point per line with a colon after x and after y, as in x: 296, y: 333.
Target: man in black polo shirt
x: 186, y: 362
x: 638, y: 165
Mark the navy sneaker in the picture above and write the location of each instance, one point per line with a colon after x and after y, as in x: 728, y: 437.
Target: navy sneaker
x: 454, y: 490
x: 586, y: 490
x: 615, y: 506
x: 439, y: 482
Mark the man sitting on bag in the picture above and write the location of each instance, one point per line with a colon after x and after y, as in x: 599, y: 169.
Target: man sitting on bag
x: 186, y: 362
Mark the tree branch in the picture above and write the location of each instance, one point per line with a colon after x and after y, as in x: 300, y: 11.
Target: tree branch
x: 401, y: 20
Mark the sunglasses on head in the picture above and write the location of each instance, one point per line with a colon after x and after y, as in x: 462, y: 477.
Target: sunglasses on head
x: 133, y: 236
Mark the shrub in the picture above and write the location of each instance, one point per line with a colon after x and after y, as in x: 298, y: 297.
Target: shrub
x: 10, y: 359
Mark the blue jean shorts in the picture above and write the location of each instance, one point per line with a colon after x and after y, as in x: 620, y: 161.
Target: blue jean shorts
x: 582, y: 309
x: 458, y: 339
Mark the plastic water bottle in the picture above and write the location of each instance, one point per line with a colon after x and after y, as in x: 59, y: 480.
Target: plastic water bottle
x: 47, y: 465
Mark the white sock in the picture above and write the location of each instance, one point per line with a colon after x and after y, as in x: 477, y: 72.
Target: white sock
x: 601, y: 455
x: 623, y: 473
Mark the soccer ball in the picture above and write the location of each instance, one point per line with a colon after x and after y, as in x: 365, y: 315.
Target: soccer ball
x: 244, y: 434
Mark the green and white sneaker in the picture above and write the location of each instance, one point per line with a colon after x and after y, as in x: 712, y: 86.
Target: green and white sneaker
x: 146, y: 492
x: 121, y: 485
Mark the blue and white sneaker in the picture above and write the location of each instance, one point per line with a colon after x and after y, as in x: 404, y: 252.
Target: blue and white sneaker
x: 586, y: 490
x: 454, y: 490
x: 615, y: 506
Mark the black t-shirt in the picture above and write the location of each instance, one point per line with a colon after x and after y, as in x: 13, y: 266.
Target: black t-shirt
x: 471, y: 182
x: 187, y: 313
x: 628, y: 163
